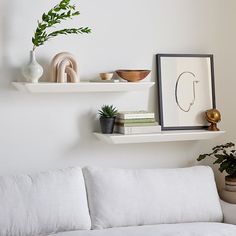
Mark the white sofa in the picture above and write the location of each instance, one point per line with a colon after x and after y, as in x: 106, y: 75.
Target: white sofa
x: 115, y: 202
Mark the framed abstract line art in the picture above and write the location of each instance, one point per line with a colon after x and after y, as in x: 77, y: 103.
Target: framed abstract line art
x: 186, y: 90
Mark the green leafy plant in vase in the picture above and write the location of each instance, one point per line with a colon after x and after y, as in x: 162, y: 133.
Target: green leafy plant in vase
x: 225, y: 156
x: 61, y: 12
x: 107, y: 115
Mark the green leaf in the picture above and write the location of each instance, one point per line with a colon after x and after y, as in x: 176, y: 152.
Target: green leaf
x: 220, y: 158
x: 202, y: 157
x: 225, y: 152
x: 60, y: 12
x: 224, y: 165
x: 76, y: 13
x: 231, y: 169
x: 225, y: 156
x: 108, y: 111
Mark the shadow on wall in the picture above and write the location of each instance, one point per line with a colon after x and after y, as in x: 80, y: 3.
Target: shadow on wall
x: 8, y: 70
x: 153, y: 95
x: 85, y: 133
x: 46, y: 69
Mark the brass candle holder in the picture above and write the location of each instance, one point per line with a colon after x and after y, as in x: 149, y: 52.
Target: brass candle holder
x: 213, y: 116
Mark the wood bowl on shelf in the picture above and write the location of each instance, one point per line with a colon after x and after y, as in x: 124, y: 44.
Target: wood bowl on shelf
x: 133, y: 75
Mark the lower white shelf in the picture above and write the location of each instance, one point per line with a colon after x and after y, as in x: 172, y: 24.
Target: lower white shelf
x: 165, y: 136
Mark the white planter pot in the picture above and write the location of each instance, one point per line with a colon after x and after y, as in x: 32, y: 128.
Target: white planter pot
x: 33, y: 71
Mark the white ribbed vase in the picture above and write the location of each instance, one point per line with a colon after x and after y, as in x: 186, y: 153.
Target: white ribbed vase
x: 33, y: 71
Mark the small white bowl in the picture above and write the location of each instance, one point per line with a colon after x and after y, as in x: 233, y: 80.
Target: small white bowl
x: 106, y: 76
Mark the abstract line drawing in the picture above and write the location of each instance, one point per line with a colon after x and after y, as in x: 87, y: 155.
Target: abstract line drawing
x: 186, y: 89
x: 195, y: 81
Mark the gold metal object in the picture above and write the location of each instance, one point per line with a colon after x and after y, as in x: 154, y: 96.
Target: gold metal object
x: 213, y: 116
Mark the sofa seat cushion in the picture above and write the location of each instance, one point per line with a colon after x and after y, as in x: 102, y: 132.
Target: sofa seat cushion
x: 128, y: 197
x: 188, y: 229
x: 40, y: 204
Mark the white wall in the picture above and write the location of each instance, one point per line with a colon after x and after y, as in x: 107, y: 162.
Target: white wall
x: 46, y: 131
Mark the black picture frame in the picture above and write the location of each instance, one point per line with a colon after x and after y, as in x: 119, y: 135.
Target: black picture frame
x: 160, y: 91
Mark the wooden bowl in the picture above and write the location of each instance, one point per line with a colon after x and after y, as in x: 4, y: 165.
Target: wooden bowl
x: 133, y: 75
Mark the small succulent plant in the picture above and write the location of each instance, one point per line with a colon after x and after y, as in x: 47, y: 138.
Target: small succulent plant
x: 225, y: 156
x: 108, y: 111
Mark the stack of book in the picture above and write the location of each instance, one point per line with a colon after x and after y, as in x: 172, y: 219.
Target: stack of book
x: 136, y: 122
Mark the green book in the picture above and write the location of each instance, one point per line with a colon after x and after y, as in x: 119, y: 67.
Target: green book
x: 130, y: 121
x: 136, y: 124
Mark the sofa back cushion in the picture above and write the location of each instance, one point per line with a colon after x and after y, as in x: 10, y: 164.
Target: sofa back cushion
x: 45, y: 203
x: 122, y: 197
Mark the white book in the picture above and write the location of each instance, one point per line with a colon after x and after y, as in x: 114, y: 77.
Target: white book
x: 135, y: 115
x: 138, y: 129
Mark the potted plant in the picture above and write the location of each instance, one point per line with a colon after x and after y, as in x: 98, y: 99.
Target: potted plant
x: 59, y: 13
x: 225, y: 156
x: 108, y: 115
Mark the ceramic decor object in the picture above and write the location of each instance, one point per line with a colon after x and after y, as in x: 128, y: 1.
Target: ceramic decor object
x: 107, y: 124
x: 108, y: 115
x: 106, y: 76
x: 33, y: 71
x: 64, y: 68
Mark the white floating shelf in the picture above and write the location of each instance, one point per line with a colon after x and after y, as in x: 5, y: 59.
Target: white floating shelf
x: 164, y: 136
x: 81, y: 87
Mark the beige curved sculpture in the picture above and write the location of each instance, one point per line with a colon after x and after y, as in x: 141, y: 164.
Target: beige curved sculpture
x: 64, y: 68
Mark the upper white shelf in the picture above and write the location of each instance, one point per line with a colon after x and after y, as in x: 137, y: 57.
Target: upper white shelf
x: 164, y: 136
x: 81, y: 87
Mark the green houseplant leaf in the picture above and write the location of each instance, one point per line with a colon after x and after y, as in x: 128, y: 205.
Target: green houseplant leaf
x: 61, y: 12
x: 225, y: 156
x: 108, y: 111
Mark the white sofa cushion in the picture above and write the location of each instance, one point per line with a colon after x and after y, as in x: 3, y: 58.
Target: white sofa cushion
x: 188, y: 229
x: 122, y: 197
x: 44, y: 203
